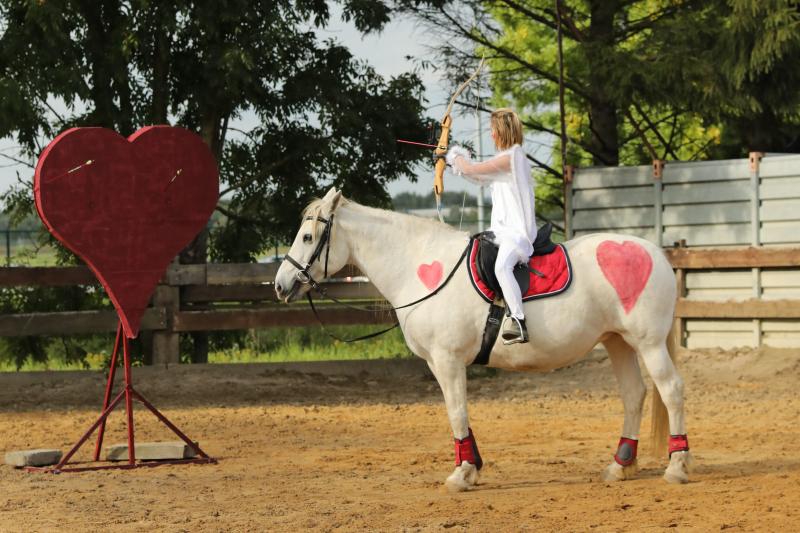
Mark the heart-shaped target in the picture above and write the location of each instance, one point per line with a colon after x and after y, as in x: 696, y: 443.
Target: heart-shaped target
x: 126, y: 207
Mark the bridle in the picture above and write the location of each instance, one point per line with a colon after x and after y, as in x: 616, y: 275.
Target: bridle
x: 303, y: 275
x: 305, y: 278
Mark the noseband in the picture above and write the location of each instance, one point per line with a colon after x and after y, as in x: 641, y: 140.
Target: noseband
x: 303, y: 275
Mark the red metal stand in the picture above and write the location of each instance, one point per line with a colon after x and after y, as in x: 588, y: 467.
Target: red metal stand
x: 129, y: 393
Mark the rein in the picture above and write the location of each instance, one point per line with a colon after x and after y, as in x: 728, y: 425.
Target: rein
x: 305, y: 278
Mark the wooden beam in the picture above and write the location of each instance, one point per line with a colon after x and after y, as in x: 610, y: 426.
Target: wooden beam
x: 73, y: 322
x: 264, y: 318
x: 738, y: 309
x: 234, y: 274
x: 739, y: 257
x: 266, y: 292
x: 46, y: 276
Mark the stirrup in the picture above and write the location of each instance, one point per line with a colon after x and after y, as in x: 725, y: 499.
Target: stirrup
x: 514, y: 331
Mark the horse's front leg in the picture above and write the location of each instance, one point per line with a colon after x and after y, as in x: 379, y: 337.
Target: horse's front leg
x: 452, y: 377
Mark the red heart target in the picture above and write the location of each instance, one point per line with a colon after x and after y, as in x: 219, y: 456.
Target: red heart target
x: 126, y: 206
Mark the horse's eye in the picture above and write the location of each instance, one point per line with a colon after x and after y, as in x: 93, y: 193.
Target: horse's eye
x: 307, y: 238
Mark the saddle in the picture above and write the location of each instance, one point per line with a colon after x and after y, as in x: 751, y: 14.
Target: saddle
x: 487, y: 257
x: 548, y: 271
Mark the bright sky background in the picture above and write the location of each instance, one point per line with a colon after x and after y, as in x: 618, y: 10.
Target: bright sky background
x: 386, y: 52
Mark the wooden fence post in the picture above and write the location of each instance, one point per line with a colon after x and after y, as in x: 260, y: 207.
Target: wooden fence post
x: 658, y: 197
x: 569, y: 176
x: 166, y: 343
x: 755, y: 233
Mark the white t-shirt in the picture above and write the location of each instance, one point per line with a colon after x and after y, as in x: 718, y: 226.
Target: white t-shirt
x: 513, y: 203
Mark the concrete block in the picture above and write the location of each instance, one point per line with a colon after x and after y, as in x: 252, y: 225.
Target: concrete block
x: 33, y: 457
x: 151, y: 451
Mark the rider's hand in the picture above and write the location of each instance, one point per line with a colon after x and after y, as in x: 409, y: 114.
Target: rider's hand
x: 454, y: 153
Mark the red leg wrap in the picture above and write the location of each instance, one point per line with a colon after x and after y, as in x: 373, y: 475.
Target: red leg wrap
x: 678, y: 443
x: 467, y: 450
x: 626, y: 451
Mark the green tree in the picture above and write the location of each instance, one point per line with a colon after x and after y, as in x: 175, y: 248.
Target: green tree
x: 323, y: 117
x: 644, y: 79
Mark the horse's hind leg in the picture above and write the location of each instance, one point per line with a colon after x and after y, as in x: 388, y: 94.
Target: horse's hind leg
x: 452, y: 377
x: 670, y: 386
x: 625, y: 363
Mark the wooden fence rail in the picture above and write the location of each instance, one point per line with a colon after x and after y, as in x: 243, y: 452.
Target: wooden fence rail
x: 217, y: 297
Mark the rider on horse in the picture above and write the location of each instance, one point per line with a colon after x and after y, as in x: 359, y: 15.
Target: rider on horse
x: 513, y: 209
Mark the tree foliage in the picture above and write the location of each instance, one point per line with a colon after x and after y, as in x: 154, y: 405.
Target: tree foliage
x: 644, y: 79
x: 287, y: 114
x: 313, y: 114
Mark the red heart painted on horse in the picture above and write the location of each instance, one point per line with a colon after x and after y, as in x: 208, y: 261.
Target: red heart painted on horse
x: 126, y: 206
x: 430, y: 275
x: 627, y: 267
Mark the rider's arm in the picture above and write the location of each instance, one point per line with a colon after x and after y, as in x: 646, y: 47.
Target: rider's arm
x: 497, y: 168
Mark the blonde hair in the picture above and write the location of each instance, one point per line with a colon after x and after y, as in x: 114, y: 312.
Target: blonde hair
x: 507, y: 127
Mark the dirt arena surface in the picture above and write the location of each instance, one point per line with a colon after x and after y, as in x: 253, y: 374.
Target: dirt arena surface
x: 350, y: 447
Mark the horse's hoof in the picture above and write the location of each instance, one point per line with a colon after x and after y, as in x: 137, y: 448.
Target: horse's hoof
x: 679, y: 466
x: 463, y: 478
x: 676, y: 476
x: 616, y: 472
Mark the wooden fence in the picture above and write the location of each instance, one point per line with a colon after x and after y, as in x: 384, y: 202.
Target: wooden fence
x: 211, y: 297
x: 216, y: 297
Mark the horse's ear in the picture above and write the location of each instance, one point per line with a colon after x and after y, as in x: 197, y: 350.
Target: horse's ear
x: 334, y: 202
x: 330, y: 194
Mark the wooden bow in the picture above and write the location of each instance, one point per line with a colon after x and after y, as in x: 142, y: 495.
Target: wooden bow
x: 444, y: 141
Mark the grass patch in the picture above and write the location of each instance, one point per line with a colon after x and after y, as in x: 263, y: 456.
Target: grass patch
x: 275, y: 345
x: 312, y: 344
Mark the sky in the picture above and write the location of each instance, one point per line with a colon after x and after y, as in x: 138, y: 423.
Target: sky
x: 387, y: 52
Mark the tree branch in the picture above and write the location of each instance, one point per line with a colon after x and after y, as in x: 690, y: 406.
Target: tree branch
x: 536, y: 126
x: 642, y: 136
x: 654, y: 129
x: 18, y: 161
x: 483, y: 40
x: 235, y: 216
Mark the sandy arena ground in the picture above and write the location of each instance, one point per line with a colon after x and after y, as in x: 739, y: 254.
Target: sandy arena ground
x: 349, y: 447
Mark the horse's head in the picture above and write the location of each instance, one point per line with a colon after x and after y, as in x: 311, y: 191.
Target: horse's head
x: 315, y: 253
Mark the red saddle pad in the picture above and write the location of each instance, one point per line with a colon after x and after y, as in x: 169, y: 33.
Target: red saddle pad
x: 555, y: 266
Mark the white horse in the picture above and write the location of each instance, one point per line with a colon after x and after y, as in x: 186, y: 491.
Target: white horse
x: 446, y: 329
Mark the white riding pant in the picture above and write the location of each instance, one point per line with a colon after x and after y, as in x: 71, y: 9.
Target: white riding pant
x: 508, y: 255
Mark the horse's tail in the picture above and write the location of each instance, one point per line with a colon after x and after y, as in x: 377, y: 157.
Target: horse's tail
x: 659, y: 428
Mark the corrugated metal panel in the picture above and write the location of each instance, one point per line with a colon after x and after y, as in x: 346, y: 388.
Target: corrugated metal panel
x: 787, y: 165
x: 780, y: 284
x: 779, y: 188
x: 778, y: 278
x: 780, y: 210
x: 610, y: 198
x: 724, y: 170
x: 601, y: 219
x: 721, y: 294
x: 725, y: 341
x: 699, y: 325
x: 716, y: 213
x: 719, y: 285
x: 706, y: 193
x: 708, y: 234
x: 780, y: 232
x: 600, y: 178
x: 719, y: 279
x: 645, y: 233
x: 773, y: 326
x: 781, y: 339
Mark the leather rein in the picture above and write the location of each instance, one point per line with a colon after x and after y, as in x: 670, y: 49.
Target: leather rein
x: 305, y: 278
